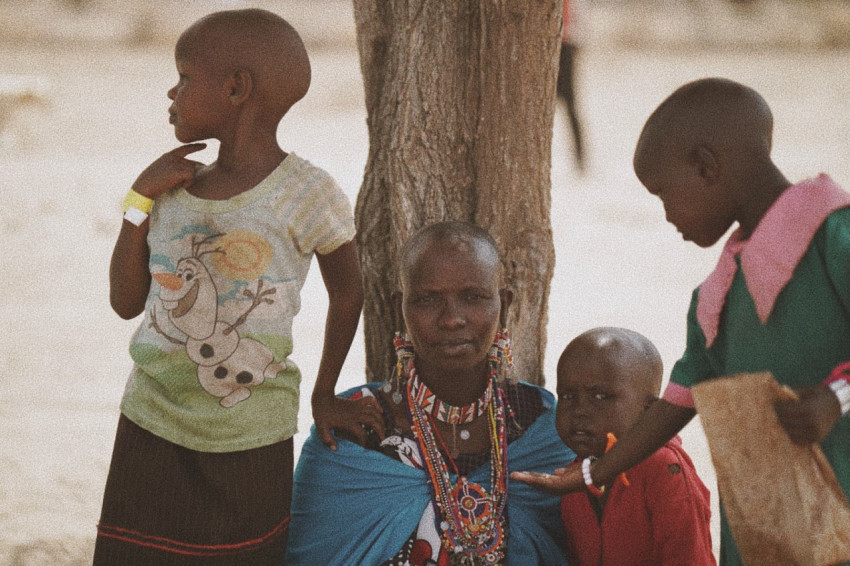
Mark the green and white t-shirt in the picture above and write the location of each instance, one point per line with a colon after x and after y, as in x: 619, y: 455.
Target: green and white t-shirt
x: 211, y: 357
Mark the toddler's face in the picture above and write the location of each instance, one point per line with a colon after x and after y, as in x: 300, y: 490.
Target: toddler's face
x: 594, y: 398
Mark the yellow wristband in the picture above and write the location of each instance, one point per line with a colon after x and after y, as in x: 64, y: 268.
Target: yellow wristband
x: 135, y: 200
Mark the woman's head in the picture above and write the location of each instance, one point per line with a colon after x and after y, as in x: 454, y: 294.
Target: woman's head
x: 450, y: 300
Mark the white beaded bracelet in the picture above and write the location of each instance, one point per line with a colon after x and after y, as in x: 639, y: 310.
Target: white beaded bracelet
x: 841, y: 388
x: 588, y: 481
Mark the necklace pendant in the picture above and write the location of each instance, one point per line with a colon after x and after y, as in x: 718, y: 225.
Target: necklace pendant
x: 464, y: 434
x: 387, y: 387
x: 397, y: 398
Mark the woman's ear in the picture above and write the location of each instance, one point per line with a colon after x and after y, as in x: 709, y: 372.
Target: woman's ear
x: 240, y: 84
x: 398, y: 314
x: 506, y: 297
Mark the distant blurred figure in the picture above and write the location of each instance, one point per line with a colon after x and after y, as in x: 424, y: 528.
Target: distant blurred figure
x: 566, y: 80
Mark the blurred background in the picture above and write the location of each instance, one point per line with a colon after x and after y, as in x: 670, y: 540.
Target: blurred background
x: 83, y: 111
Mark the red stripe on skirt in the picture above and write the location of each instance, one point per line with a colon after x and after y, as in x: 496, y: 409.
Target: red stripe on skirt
x: 167, y: 505
x: 189, y: 549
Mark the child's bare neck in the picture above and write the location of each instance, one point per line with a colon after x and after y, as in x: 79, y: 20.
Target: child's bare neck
x: 235, y: 173
x: 760, y: 198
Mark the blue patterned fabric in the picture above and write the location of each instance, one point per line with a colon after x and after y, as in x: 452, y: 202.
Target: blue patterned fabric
x: 357, y: 506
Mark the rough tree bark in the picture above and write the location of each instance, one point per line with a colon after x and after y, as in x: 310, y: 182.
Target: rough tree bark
x: 460, y: 101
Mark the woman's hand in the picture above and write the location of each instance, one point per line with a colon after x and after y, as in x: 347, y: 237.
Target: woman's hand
x: 560, y: 482
x: 352, y: 417
x: 810, y: 417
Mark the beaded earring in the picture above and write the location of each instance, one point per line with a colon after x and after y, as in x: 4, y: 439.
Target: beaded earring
x: 404, y: 362
x: 499, y: 357
x: 501, y: 363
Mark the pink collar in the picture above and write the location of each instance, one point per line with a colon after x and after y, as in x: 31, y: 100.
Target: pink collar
x: 769, y: 257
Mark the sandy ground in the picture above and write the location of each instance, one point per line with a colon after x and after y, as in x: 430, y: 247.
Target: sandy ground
x: 65, y: 166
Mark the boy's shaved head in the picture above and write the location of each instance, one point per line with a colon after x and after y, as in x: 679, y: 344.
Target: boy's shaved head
x: 259, y: 42
x: 624, y: 351
x: 607, y: 378
x: 717, y: 113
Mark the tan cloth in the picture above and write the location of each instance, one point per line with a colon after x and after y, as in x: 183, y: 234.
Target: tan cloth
x: 782, y: 500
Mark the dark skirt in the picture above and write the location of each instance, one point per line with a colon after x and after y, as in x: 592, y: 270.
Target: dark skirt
x: 167, y: 505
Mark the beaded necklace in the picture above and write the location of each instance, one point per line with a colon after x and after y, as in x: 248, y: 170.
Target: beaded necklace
x: 451, y: 414
x: 471, y: 518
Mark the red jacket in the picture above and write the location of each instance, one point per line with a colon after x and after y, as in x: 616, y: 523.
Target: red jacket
x: 660, y: 518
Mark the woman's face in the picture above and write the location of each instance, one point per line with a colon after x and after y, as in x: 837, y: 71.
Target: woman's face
x: 451, y: 305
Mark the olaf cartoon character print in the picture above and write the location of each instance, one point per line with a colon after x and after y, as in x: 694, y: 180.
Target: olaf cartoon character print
x: 229, y: 364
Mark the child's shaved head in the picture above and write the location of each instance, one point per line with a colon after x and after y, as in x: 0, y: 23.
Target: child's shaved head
x: 622, y: 351
x: 716, y: 113
x: 607, y: 378
x: 259, y: 42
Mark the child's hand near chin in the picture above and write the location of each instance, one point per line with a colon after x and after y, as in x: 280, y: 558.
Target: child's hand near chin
x: 810, y: 417
x: 353, y: 417
x: 169, y: 171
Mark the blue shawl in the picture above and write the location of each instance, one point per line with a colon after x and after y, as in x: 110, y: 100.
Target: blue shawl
x: 358, y: 506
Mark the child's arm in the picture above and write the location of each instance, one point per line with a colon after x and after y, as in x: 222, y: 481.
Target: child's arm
x: 809, y: 418
x: 341, y: 274
x: 657, y: 425
x: 129, y: 277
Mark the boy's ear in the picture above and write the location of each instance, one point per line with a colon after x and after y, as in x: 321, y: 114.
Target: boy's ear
x: 506, y: 297
x: 240, y: 84
x: 706, y: 162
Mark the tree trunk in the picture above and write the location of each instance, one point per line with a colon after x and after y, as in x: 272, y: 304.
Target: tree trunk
x: 460, y: 101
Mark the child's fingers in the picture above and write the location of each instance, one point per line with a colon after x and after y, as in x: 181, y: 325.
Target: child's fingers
x: 557, y: 484
x: 535, y: 479
x: 809, y: 419
x: 185, y: 150
x: 326, y: 436
x: 170, y: 170
x: 796, y: 421
x: 191, y: 172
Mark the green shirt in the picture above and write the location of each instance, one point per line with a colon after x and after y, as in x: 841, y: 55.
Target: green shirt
x: 806, y: 335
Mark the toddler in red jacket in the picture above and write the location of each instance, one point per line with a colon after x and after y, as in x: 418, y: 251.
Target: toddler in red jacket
x: 656, y: 513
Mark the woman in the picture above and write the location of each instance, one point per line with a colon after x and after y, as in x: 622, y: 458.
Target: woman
x: 430, y: 484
